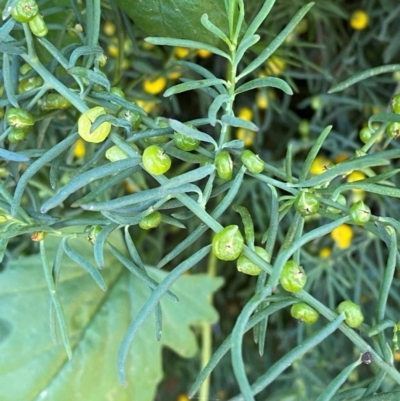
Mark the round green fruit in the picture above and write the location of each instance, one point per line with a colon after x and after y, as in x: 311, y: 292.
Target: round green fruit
x: 352, y: 311
x: 252, y: 162
x: 365, y: 135
x: 155, y: 160
x: 360, y: 213
x: 293, y: 277
x: 19, y: 118
x: 85, y: 124
x: 25, y: 10
x: 153, y: 220
x: 304, y: 312
x: 228, y: 243
x: 246, y: 266
x: 224, y: 165
x: 306, y: 203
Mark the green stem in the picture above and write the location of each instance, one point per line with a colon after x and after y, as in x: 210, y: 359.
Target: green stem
x: 206, y: 335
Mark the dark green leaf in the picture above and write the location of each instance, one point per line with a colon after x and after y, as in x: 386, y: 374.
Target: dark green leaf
x: 177, y: 18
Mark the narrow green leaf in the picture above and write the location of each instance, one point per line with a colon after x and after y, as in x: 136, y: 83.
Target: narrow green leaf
x: 12, y: 156
x: 140, y: 273
x: 335, y: 384
x: 342, y: 169
x: 151, y: 303
x: 55, y: 301
x: 227, y: 344
x: 116, y: 122
x: 83, y: 51
x: 237, y: 340
x: 239, y: 122
x: 382, y: 118
x: 132, y: 248
x: 191, y: 44
x: 349, y: 394
x: 92, y: 76
x: 112, y: 98
x: 373, y: 188
x: 171, y: 221
x: 381, y: 326
x: 278, y: 367
x: 234, y: 144
x: 10, y: 48
x: 56, y: 53
x: 247, y: 223
x: 139, y: 197
x: 312, y: 154
x: 107, y: 184
x: 86, y: 178
x: 191, y: 85
x: 99, y: 244
x: 37, y: 165
x: 270, y: 49
x: 364, y: 75
x: 202, y: 228
x: 192, y: 132
x: 383, y: 397
x: 8, y: 82
x: 387, y: 277
x: 265, y: 82
x: 244, y: 45
x: 215, y: 106
x: 259, y: 18
x: 3, y: 247
x: 77, y: 258
x: 213, y: 29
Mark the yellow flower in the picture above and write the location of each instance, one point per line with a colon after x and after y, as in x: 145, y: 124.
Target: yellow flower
x: 182, y: 397
x: 245, y: 113
x: 109, y: 28
x: 203, y: 53
x: 397, y: 356
x: 356, y: 176
x: 246, y: 136
x: 275, y: 65
x: 359, y: 20
x: 319, y: 165
x: 112, y: 50
x: 341, y: 157
x: 342, y: 236
x: 146, y: 105
x: 173, y: 75
x: 153, y: 87
x: 325, y: 252
x: 79, y: 149
x: 181, y: 52
x: 262, y: 100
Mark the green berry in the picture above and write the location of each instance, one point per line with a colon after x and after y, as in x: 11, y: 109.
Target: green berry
x: 365, y: 135
x: 304, y: 312
x: 360, y: 213
x: 393, y: 130
x: 228, y: 243
x: 153, y: 220
x: 252, y: 162
x: 396, y: 103
x: 155, y: 160
x: 306, y: 203
x: 246, y: 266
x: 352, y: 311
x: 293, y: 277
x: 224, y: 165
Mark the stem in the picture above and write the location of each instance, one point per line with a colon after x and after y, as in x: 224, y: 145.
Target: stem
x: 206, y: 335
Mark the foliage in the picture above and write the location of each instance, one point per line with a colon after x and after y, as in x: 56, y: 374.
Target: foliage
x: 94, y: 180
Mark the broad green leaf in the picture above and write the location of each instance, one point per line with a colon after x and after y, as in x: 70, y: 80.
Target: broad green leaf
x: 97, y: 322
x: 177, y: 18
